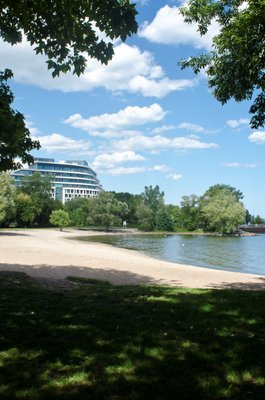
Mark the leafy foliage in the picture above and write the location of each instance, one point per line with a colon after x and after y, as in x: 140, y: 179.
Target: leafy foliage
x: 107, y: 210
x: 7, y: 198
x: 190, y: 212
x: 26, y: 209
x: 164, y: 221
x: 15, y: 138
x: 60, y: 218
x: 153, y: 197
x: 146, y: 221
x: 236, y: 65
x: 39, y: 188
x: 215, y: 189
x: 222, y: 212
x: 65, y: 31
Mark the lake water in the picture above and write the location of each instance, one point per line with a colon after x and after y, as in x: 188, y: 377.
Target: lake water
x: 237, y: 254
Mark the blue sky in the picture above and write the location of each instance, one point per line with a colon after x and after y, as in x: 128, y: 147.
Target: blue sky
x: 140, y: 120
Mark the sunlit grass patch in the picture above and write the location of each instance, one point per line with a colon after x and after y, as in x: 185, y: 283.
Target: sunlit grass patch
x: 103, y: 342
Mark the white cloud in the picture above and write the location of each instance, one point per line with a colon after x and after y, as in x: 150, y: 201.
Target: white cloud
x: 135, y: 170
x: 130, y: 70
x: 161, y: 168
x: 125, y: 171
x: 110, y: 125
x: 239, y: 165
x: 174, y: 177
x: 191, y: 127
x: 168, y: 27
x: 257, y: 137
x: 164, y: 128
x: 61, y: 144
x: 159, y: 143
x: 109, y: 160
x: 235, y: 123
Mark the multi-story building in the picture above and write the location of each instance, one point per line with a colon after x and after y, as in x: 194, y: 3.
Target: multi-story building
x: 71, y: 178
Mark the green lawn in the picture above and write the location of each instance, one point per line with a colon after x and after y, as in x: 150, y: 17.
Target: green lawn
x: 97, y: 341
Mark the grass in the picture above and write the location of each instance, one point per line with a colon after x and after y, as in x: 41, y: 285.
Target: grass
x: 97, y: 341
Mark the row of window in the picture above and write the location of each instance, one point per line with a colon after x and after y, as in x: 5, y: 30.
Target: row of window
x: 80, y: 191
x: 61, y: 167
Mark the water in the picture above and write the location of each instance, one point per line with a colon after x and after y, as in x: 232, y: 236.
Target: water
x: 238, y: 254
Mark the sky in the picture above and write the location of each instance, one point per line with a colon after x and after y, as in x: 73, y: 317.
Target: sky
x: 141, y: 120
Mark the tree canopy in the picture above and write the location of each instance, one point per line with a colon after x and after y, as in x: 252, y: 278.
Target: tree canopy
x: 222, y: 212
x: 236, y: 65
x: 66, y: 32
x: 15, y: 141
x: 7, y: 198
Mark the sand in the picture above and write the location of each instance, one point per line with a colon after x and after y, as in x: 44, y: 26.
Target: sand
x: 49, y: 254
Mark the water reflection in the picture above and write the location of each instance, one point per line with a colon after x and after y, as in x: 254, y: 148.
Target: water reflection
x: 239, y: 254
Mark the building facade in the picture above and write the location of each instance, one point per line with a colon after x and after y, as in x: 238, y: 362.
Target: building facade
x: 70, y: 179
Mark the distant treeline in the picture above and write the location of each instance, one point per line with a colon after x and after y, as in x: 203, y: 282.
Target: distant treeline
x: 219, y: 209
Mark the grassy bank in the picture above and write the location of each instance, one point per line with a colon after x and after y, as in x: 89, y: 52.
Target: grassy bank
x: 96, y: 341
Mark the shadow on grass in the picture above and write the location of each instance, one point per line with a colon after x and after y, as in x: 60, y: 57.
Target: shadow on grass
x: 98, y: 341
x: 259, y: 285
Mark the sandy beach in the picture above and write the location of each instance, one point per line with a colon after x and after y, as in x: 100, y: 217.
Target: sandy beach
x: 48, y: 254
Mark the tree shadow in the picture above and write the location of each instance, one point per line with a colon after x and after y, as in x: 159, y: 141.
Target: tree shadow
x: 259, y: 285
x: 4, y: 233
x: 105, y: 342
x: 116, y: 277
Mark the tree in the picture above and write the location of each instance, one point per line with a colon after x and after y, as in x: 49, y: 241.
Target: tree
x: 175, y: 213
x: 133, y: 201
x: 190, y: 212
x: 15, y: 138
x: 26, y: 209
x: 39, y: 188
x: 258, y: 220
x: 236, y: 65
x: 107, y: 210
x: 145, y: 217
x: 164, y: 221
x: 66, y: 32
x: 7, y: 198
x: 60, y: 218
x: 215, y: 189
x: 79, y: 209
x: 153, y: 198
x: 222, y: 212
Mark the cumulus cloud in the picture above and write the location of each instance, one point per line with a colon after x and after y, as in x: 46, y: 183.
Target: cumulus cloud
x: 239, y: 165
x: 174, y: 177
x: 159, y: 143
x: 235, y: 123
x: 109, y: 160
x: 110, y: 125
x: 191, y: 127
x: 135, y: 170
x: 164, y: 128
x: 188, y: 126
x: 168, y: 27
x: 257, y: 137
x: 62, y: 144
x: 130, y: 70
x: 125, y: 171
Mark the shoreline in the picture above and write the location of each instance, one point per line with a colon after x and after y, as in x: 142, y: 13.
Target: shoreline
x: 47, y: 254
